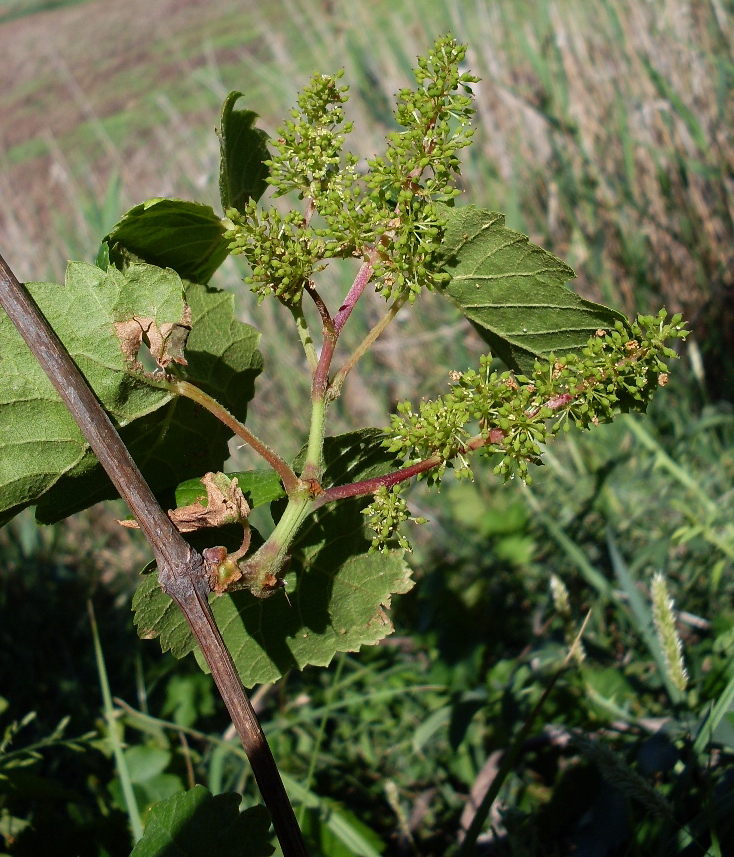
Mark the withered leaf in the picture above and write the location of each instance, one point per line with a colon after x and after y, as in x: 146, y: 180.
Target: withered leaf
x: 166, y: 342
x: 225, y: 504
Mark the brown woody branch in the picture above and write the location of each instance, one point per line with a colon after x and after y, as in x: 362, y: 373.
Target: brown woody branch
x: 180, y: 567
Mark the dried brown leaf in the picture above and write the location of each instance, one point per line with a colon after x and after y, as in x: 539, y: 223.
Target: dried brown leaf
x: 225, y: 504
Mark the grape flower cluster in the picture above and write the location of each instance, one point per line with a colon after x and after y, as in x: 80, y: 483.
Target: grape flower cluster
x: 510, y: 417
x: 389, y: 215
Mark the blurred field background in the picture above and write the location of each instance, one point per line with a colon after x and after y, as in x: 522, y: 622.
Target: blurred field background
x: 604, y: 131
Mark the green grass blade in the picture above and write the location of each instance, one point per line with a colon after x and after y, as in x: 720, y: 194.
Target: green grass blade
x: 468, y: 846
x: 338, y: 823
x: 592, y: 576
x: 663, y: 460
x: 666, y: 91
x: 131, y: 804
x: 320, y: 734
x: 641, y: 615
x: 722, y: 706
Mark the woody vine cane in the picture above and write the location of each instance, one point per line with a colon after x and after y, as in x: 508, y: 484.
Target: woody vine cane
x: 180, y: 567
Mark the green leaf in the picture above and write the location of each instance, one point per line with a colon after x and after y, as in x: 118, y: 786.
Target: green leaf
x: 38, y: 437
x: 11, y: 826
x: 146, y: 762
x: 337, y: 591
x: 258, y: 486
x: 514, y: 291
x: 242, y: 171
x: 147, y: 792
x: 170, y: 233
x: 156, y: 615
x: 199, y: 824
x: 321, y: 837
x: 43, y: 457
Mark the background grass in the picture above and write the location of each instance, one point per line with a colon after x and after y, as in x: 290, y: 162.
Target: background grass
x: 604, y: 132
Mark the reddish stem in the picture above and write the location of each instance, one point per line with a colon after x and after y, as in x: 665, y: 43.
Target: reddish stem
x: 364, y: 275
x: 327, y: 323
x: 370, y: 486
x: 320, y: 382
x: 279, y: 465
x: 332, y: 330
x: 310, y: 211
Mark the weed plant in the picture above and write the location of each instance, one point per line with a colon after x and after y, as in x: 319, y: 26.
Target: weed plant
x: 609, y: 140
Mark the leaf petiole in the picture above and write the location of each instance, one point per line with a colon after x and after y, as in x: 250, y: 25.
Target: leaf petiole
x: 281, y: 467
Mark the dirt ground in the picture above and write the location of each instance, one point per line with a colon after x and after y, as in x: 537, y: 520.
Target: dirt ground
x: 65, y: 74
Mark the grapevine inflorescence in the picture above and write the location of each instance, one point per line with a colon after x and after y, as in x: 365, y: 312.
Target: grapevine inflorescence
x: 389, y: 215
x: 511, y: 417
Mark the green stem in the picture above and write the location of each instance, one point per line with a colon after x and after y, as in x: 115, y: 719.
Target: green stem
x: 184, y: 388
x: 313, y: 467
x: 262, y: 571
x: 304, y: 335
x: 296, y: 512
x: 365, y: 345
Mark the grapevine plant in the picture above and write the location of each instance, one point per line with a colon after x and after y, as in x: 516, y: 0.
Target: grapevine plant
x: 319, y: 583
